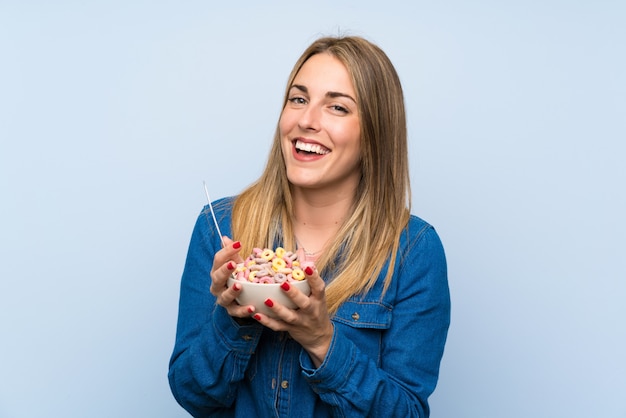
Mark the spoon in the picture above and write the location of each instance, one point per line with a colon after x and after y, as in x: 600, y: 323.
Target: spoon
x: 206, y: 191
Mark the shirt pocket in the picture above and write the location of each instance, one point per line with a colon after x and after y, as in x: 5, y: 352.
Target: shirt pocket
x: 364, y: 323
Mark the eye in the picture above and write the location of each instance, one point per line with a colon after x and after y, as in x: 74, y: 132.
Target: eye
x: 297, y: 100
x: 339, y: 109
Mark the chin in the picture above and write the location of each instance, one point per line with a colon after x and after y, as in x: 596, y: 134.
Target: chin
x: 302, y: 182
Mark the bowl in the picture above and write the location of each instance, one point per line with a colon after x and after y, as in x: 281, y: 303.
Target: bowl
x: 256, y: 294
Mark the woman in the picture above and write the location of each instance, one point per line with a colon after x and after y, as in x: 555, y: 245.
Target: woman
x: 369, y: 339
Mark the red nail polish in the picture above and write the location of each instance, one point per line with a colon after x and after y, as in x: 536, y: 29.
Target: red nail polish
x: 285, y: 286
x: 230, y: 265
x: 308, y: 270
x: 250, y: 310
x: 257, y: 317
x: 237, y: 245
x: 236, y: 286
x: 268, y: 302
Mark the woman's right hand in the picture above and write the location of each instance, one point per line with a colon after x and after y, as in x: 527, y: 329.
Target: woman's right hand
x: 224, y: 263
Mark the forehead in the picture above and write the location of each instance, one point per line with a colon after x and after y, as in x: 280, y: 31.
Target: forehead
x: 325, y: 72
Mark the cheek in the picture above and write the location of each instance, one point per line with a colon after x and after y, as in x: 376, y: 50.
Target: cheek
x: 283, y: 131
x: 350, y: 135
x: 285, y: 123
x: 355, y: 143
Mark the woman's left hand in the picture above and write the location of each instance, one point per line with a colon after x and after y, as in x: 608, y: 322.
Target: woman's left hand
x: 310, y: 324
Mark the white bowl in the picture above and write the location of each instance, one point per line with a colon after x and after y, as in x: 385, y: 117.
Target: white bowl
x: 256, y: 294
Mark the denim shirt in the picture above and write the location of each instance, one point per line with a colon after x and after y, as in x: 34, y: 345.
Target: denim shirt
x: 383, y: 358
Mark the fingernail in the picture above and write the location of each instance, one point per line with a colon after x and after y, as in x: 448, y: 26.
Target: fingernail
x: 308, y: 270
x: 285, y: 286
x: 250, y: 310
x: 257, y: 317
x: 237, y: 245
x: 230, y: 265
x: 268, y: 302
x: 236, y: 286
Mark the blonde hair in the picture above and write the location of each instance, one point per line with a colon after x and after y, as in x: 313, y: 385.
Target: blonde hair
x: 370, y: 235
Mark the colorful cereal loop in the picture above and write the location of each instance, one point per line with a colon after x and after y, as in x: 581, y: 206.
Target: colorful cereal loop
x: 297, y: 275
x: 267, y: 254
x: 252, y: 276
x: 278, y: 264
x: 280, y: 252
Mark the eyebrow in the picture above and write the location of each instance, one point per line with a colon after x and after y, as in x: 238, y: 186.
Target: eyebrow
x: 331, y: 94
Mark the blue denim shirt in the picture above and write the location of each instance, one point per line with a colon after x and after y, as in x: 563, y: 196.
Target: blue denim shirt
x: 383, y: 359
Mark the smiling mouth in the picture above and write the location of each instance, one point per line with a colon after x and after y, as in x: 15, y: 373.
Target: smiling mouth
x: 306, y: 148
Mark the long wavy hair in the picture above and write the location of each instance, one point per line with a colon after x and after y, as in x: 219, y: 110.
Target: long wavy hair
x: 369, y: 237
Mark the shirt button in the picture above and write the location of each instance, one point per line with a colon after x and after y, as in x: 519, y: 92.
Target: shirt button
x: 355, y: 316
x: 284, y: 384
x: 246, y: 337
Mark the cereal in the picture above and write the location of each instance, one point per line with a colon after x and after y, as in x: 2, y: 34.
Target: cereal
x: 269, y: 266
x: 298, y: 274
x: 267, y: 254
x: 278, y: 264
x: 252, y: 276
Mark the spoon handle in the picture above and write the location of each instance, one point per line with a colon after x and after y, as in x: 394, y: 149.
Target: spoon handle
x: 206, y: 191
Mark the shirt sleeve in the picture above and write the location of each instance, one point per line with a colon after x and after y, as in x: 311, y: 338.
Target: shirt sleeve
x: 353, y: 383
x: 212, y: 350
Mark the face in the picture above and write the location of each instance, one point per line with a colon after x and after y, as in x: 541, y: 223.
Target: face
x: 320, y: 129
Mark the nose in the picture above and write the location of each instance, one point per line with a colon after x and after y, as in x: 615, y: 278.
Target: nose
x: 310, y: 119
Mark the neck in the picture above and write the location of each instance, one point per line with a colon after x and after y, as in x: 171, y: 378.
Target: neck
x: 318, y: 217
x: 320, y: 210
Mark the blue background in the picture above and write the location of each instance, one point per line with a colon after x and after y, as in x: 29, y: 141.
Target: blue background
x: 113, y: 113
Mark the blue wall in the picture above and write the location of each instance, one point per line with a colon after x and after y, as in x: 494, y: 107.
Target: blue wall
x: 113, y: 113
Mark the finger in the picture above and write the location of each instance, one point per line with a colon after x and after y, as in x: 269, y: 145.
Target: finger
x: 238, y: 311
x: 228, y: 295
x: 281, y: 313
x: 228, y: 299
x: 220, y: 276
x: 229, y: 252
x: 316, y: 283
x: 300, y: 299
x: 221, y: 268
x: 269, y: 322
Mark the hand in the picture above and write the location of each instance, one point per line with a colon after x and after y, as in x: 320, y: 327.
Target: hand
x: 310, y: 325
x: 224, y: 263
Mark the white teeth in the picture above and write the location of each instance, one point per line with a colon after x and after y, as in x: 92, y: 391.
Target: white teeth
x: 317, y: 149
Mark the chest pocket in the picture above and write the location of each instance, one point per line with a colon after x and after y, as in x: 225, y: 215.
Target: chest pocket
x: 364, y: 322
